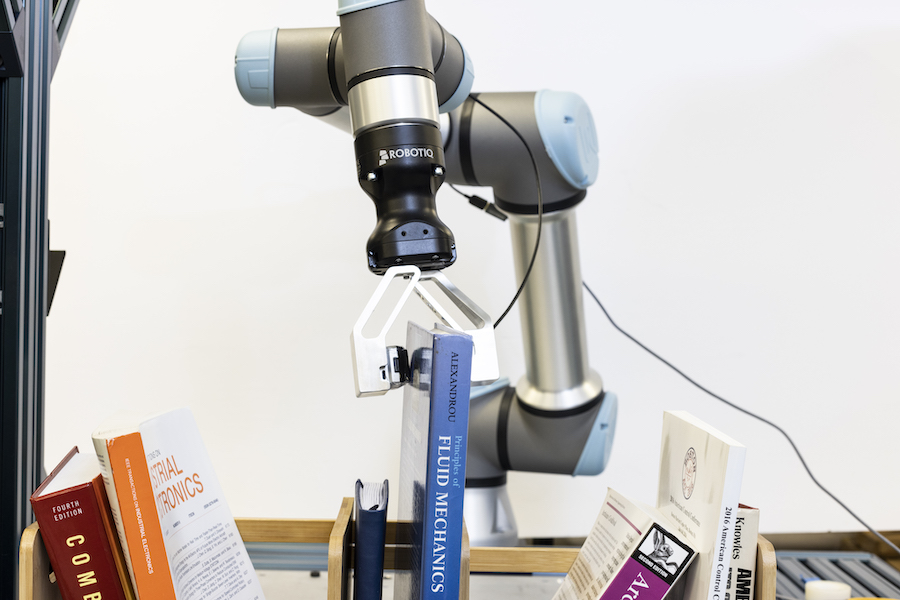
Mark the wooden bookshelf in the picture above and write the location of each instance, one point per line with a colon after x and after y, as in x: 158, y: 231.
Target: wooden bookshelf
x: 34, y: 566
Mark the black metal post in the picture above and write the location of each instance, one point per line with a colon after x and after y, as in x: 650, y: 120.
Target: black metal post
x: 30, y: 37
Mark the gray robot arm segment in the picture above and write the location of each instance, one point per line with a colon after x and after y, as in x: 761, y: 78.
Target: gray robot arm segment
x: 505, y: 434
x: 558, y: 419
x: 509, y: 435
x: 482, y: 150
x: 304, y: 68
x: 559, y: 129
x: 382, y: 64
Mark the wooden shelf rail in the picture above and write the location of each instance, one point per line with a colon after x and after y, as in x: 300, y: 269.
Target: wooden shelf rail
x: 34, y: 567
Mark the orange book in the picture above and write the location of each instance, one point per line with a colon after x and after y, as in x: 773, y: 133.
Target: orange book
x: 127, y: 481
x: 179, y: 536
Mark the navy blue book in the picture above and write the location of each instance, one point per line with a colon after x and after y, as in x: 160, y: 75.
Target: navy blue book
x: 433, y: 461
x: 370, y: 520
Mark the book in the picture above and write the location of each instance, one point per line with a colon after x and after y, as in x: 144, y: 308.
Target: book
x: 369, y: 524
x: 632, y: 551
x: 700, y: 472
x: 433, y: 460
x: 177, y: 533
x: 74, y: 517
x: 742, y: 574
x: 125, y: 474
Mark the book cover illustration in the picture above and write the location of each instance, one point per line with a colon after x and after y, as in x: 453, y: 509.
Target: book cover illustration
x: 433, y: 460
x: 632, y: 551
x: 654, y: 567
x: 700, y: 473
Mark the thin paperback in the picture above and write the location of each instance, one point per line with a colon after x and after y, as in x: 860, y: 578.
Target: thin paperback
x: 700, y: 472
x: 632, y: 551
x: 177, y: 532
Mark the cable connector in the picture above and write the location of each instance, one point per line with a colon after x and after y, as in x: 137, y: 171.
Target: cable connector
x: 488, y: 207
x: 479, y: 202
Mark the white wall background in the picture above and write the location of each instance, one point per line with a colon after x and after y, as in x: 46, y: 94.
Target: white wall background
x: 745, y: 225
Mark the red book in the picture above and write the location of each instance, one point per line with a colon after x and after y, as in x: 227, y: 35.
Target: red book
x: 73, y: 514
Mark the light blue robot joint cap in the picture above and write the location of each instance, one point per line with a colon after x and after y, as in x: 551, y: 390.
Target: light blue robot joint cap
x: 567, y: 130
x: 465, y: 85
x: 254, y: 67
x: 595, y: 455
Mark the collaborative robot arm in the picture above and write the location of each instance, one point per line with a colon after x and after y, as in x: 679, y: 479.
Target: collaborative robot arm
x: 558, y: 418
x: 394, y: 68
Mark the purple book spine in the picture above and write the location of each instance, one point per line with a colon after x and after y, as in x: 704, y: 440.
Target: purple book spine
x: 651, y: 571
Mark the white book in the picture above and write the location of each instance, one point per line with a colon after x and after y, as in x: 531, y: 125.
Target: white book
x: 742, y: 574
x: 177, y: 532
x: 700, y: 472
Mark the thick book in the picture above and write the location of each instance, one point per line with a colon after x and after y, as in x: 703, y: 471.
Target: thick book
x: 179, y: 537
x: 369, y: 524
x: 73, y: 514
x: 631, y: 551
x: 700, y: 473
x: 433, y: 461
x: 742, y: 574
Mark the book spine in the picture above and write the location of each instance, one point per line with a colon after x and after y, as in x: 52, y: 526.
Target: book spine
x: 72, y: 528
x: 112, y: 536
x: 742, y: 574
x: 369, y: 570
x: 103, y: 458
x: 727, y: 519
x: 446, y: 473
x: 125, y: 471
x: 635, y: 579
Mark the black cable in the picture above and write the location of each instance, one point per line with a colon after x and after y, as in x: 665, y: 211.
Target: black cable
x: 647, y: 349
x: 540, y: 213
x: 459, y: 191
x: 746, y: 412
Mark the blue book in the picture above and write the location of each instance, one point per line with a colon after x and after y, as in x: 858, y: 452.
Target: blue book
x: 433, y: 461
x: 370, y: 521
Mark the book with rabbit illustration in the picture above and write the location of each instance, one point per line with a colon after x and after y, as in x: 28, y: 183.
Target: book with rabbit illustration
x: 632, y: 551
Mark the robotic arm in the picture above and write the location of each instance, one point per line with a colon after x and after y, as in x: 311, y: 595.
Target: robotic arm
x: 394, y: 67
x: 558, y: 418
x: 390, y: 63
x: 391, y: 66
